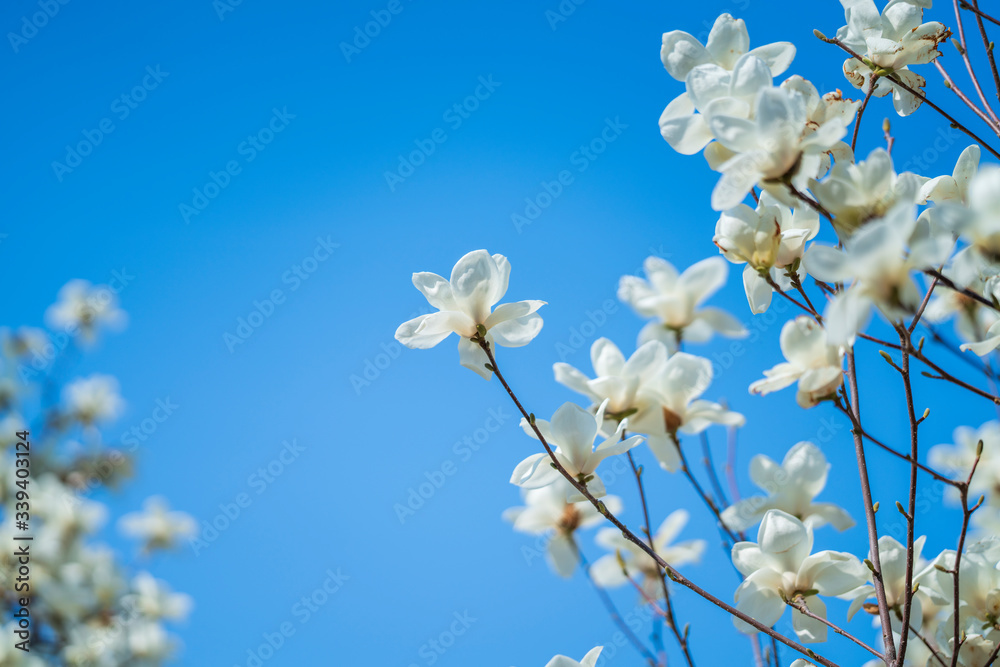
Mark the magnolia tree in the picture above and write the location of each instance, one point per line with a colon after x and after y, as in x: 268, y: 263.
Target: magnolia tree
x: 71, y: 600
x: 872, y: 261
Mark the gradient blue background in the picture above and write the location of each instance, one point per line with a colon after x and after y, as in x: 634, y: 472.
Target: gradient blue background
x: 324, y: 175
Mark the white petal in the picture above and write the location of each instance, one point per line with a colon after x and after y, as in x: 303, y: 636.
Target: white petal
x: 519, y: 332
x: 681, y: 53
x: 563, y: 555
x: 473, y: 357
x: 810, y: 630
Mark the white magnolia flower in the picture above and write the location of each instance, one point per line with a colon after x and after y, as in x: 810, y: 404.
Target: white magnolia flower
x: 892, y: 557
x: 791, y: 487
x: 858, y: 192
x: 774, y: 146
x: 768, y: 240
x: 880, y: 258
x: 955, y: 188
x: 890, y: 42
x: 957, y: 459
x: 157, y: 526
x: 93, y: 399
x: 607, y: 570
x: 676, y: 391
x: 478, y: 282
x: 623, y: 383
x: 979, y: 601
x: 149, y: 641
x: 710, y: 89
x: 589, y: 660
x: 728, y: 40
x: 779, y: 567
x: 979, y: 224
x: 26, y: 341
x: 546, y: 512
x: 571, y: 432
x: 674, y: 300
x: 154, y: 599
x: 811, y: 360
x: 83, y: 308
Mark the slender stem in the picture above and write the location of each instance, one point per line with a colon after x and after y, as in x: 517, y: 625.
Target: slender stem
x: 904, y: 341
x: 799, y: 604
x: 965, y: 291
x: 933, y: 649
x: 731, y: 441
x: 950, y: 83
x: 986, y: 43
x: 956, y: 573
x: 964, y: 50
x: 613, y: 612
x: 978, y: 12
x: 713, y: 477
x: 632, y: 537
x: 711, y: 504
x: 866, y: 492
x: 647, y: 528
x: 872, y: 80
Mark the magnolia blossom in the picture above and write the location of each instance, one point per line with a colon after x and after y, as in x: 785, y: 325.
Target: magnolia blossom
x: 675, y: 299
x: 546, y: 512
x: 572, y: 432
x: 156, y: 526
x: 811, y: 360
x: 953, y: 189
x: 93, y: 399
x: 979, y: 600
x: 589, y: 660
x: 607, y: 570
x: 957, y: 460
x: 154, y: 599
x: 880, y: 258
x: 791, y: 488
x: 858, y: 192
x: 728, y: 40
x: 767, y: 240
x: 623, y: 383
x: 779, y: 567
x: 84, y: 308
x: 979, y: 223
x: 478, y: 282
x: 972, y: 319
x: 892, y: 557
x: 774, y: 146
x: 711, y: 89
x: 676, y: 391
x: 890, y: 42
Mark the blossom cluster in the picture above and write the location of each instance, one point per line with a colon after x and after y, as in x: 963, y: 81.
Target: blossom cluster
x: 90, y: 605
x: 860, y: 250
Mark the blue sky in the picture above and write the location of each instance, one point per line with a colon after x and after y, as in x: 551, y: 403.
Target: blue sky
x: 217, y: 153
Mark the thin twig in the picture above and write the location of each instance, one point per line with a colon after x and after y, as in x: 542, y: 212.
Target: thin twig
x: 866, y: 492
x: 800, y: 605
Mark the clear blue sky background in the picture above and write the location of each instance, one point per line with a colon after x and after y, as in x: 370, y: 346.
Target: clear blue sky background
x: 323, y: 175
